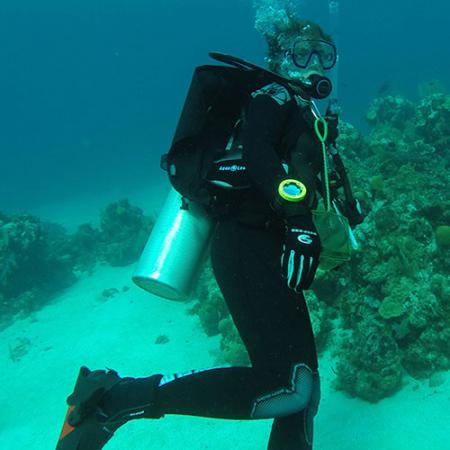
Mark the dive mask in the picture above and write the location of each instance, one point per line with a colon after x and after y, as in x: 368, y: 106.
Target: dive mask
x: 303, y: 50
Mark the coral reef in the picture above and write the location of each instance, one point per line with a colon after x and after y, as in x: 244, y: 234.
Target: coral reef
x: 432, y: 121
x: 214, y: 317
x: 231, y: 346
x: 209, y: 305
x: 39, y: 259
x: 371, y: 368
x: 84, y: 247
x: 321, y: 318
x: 399, y: 278
x: 393, y: 110
x: 34, y: 264
x: 124, y: 232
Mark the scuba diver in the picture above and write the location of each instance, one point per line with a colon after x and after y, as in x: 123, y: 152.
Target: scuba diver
x: 264, y: 252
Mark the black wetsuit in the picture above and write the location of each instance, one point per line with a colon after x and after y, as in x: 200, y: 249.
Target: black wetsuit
x: 272, y: 320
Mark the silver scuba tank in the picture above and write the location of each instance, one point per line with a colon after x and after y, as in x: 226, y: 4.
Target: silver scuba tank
x: 175, y: 249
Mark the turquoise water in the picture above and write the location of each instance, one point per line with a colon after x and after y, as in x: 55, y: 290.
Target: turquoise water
x: 91, y: 91
x: 90, y: 94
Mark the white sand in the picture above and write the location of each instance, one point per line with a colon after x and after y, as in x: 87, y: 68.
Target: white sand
x: 80, y: 328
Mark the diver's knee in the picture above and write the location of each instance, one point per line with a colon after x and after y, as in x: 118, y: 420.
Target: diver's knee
x: 292, y: 399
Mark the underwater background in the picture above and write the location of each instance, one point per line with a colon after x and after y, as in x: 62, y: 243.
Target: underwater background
x: 91, y: 90
x: 90, y: 95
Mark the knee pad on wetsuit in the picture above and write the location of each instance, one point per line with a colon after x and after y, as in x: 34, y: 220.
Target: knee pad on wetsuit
x: 289, y: 400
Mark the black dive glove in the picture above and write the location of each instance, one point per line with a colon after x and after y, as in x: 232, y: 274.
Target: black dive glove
x: 352, y: 210
x: 301, y: 251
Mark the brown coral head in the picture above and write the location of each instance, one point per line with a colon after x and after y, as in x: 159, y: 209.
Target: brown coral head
x: 391, y: 308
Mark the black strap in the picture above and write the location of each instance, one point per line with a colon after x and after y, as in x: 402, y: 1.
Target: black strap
x: 342, y: 172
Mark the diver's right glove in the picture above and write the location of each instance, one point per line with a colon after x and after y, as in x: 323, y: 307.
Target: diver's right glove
x: 301, y: 251
x: 352, y: 210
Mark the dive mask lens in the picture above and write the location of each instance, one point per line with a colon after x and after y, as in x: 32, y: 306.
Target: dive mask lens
x: 304, y: 49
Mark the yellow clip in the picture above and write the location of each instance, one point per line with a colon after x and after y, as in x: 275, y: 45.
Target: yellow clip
x: 292, y: 185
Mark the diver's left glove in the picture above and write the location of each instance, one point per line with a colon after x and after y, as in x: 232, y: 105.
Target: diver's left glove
x: 301, y: 252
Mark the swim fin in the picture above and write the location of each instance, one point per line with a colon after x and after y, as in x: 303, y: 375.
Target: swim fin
x: 83, y: 428
x: 101, y: 402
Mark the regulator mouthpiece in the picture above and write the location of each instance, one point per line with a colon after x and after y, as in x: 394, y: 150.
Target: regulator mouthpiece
x: 318, y: 86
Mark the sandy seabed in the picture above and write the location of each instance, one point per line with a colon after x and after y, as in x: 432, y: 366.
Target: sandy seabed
x: 82, y: 327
